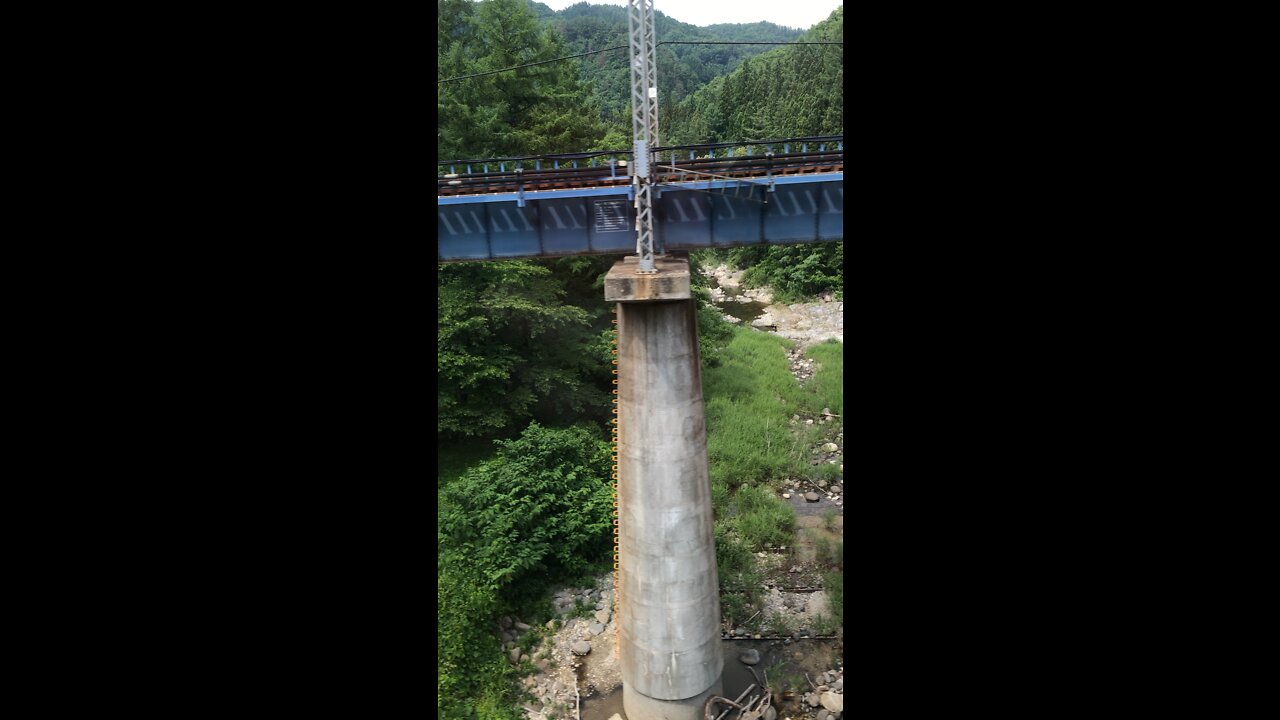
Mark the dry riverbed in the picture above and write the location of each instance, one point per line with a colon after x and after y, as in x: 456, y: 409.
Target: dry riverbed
x: 806, y: 323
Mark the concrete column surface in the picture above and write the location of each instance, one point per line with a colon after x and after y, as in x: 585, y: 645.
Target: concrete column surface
x: 668, y: 599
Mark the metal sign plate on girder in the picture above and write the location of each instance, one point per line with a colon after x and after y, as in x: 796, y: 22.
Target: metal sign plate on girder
x: 611, y: 216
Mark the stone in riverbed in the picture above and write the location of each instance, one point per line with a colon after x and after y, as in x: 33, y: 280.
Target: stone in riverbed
x: 812, y: 496
x: 830, y: 447
x: 580, y: 647
x: 596, y: 628
x: 602, y: 616
x: 832, y: 701
x: 750, y: 657
x: 812, y: 700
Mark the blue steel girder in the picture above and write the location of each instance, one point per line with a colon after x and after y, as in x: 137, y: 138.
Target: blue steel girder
x: 601, y: 221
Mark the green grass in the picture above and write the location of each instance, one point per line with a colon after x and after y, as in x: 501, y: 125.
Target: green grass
x: 752, y: 448
x: 826, y: 387
x: 833, y: 582
x: 749, y: 398
x: 763, y: 520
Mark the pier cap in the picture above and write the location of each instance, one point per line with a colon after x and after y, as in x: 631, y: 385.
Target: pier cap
x: 671, y: 281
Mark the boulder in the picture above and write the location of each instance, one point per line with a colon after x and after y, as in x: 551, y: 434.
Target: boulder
x: 521, y: 626
x: 812, y: 699
x: 833, y: 701
x: 830, y: 447
x: 812, y: 496
x: 580, y: 647
x: 514, y: 655
x: 602, y: 616
x: 750, y: 657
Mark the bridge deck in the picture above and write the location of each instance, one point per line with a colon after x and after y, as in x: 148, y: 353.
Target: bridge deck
x: 601, y: 220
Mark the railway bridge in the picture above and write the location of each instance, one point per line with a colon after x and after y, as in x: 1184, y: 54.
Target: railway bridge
x: 711, y: 195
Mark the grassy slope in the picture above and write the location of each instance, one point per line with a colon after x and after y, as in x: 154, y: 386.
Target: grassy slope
x: 752, y: 448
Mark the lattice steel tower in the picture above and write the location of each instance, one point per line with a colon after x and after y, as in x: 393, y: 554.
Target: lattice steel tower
x: 644, y: 123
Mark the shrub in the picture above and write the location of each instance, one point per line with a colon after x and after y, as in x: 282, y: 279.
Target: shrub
x: 539, y: 510
x: 543, y: 504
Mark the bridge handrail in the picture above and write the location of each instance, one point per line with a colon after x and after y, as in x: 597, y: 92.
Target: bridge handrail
x: 599, y: 153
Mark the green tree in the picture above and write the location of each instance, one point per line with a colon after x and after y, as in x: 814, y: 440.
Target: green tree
x: 539, y: 109
x: 542, y: 505
x: 510, y: 349
x: 538, y: 512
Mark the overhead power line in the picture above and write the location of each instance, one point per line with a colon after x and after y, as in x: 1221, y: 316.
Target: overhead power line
x: 743, y: 42
x: 540, y: 62
x: 620, y: 47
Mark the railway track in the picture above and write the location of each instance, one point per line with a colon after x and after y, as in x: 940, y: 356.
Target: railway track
x: 761, y: 159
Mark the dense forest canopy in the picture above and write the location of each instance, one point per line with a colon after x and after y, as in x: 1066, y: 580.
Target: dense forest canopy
x: 569, y: 106
x: 787, y: 92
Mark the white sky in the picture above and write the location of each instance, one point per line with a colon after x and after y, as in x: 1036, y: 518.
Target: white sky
x: 802, y: 14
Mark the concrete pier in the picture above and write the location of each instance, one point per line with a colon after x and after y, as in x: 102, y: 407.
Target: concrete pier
x: 668, y: 590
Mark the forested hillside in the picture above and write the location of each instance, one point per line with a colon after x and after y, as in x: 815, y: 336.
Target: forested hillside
x: 569, y: 106
x: 682, y: 69
x: 541, y: 109
x: 786, y: 92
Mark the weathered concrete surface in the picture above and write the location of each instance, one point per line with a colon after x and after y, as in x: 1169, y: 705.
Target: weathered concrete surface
x: 671, y: 281
x: 668, y: 601
x: 638, y: 705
